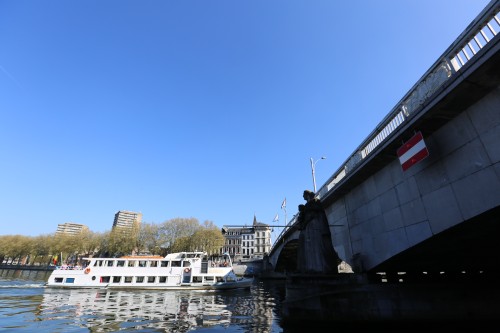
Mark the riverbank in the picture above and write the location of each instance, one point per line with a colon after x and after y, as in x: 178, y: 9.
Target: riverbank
x: 28, y: 267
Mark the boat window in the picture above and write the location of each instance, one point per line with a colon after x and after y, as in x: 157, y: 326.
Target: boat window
x: 139, y: 279
x: 186, y: 264
x: 219, y: 279
x: 162, y: 279
x: 128, y: 279
x: 58, y: 280
x: 117, y: 279
x: 142, y: 263
x: 104, y: 279
x: 176, y: 263
x: 153, y: 264
x: 197, y: 279
x: 120, y: 263
x: 164, y: 263
x: 209, y: 279
x: 70, y: 280
x: 110, y: 263
x: 151, y: 279
x: 131, y: 263
x: 98, y: 263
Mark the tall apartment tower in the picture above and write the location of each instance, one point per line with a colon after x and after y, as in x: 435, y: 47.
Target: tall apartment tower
x: 126, y: 219
x: 70, y: 228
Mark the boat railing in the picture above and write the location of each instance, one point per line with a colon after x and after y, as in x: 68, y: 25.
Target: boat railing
x: 70, y: 268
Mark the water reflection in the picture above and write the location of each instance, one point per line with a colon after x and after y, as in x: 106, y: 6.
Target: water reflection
x: 179, y: 311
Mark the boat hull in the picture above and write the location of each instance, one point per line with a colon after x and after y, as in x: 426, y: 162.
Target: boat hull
x: 223, y: 286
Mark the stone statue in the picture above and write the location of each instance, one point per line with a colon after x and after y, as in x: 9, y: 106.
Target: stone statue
x: 315, y: 252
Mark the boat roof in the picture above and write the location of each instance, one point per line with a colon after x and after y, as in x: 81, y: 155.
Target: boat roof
x: 141, y: 257
x: 170, y: 256
x: 181, y: 255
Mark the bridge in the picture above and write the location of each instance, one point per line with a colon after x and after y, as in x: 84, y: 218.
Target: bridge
x: 438, y: 215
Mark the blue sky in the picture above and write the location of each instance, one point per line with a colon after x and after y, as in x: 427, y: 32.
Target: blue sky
x: 204, y: 109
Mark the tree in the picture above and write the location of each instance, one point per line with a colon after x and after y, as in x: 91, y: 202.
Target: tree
x: 174, y: 230
x: 149, y: 238
x: 122, y: 241
x: 40, y: 249
x: 208, y: 239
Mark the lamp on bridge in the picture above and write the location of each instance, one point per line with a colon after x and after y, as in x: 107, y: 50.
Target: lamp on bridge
x: 313, y: 166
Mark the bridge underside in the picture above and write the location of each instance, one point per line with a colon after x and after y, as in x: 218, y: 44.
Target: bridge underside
x: 287, y: 261
x: 471, y: 247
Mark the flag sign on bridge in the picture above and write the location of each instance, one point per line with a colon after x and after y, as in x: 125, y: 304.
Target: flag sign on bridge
x: 412, y: 151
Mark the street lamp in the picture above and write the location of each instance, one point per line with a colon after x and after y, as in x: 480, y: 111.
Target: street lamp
x: 313, y: 165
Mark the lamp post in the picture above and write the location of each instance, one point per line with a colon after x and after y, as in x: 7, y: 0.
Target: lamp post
x: 313, y: 165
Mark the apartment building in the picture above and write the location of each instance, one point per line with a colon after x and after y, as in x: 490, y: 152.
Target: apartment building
x: 70, y: 228
x: 126, y: 219
x: 247, y: 242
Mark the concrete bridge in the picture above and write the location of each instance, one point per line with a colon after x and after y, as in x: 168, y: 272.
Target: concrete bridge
x: 442, y: 214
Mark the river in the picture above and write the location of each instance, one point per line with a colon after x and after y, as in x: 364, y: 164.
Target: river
x: 26, y: 305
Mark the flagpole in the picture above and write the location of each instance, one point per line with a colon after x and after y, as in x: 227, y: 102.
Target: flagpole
x: 283, y: 206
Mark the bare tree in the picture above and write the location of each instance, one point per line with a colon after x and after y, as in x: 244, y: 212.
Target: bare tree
x: 174, y: 230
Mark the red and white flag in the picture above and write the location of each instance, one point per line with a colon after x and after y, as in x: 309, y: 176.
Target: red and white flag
x: 412, y: 151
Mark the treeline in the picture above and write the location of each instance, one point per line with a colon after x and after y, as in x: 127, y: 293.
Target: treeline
x: 176, y: 235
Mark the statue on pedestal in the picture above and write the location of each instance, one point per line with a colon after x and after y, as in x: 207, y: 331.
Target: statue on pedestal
x: 315, y: 252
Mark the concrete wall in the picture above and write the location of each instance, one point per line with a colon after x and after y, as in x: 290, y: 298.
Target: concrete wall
x: 394, y: 210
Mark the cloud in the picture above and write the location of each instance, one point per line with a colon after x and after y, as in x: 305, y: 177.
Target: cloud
x: 11, y: 77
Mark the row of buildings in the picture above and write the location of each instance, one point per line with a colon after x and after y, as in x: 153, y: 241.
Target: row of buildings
x: 241, y: 241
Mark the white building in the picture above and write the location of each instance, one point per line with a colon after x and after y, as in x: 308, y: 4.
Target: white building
x: 247, y: 242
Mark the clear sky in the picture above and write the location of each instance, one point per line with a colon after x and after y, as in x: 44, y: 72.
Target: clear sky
x: 204, y: 109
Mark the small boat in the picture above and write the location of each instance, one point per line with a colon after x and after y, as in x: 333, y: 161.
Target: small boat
x: 182, y: 270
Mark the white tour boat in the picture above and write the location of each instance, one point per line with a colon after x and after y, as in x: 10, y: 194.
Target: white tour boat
x: 183, y: 270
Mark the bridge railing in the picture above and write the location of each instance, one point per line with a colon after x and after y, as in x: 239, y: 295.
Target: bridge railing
x: 283, y: 231
x: 477, y: 35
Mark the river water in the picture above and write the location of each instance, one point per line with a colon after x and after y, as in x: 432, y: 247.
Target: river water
x: 27, y: 306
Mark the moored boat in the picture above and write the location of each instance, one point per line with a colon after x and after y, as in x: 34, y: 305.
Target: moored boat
x: 182, y: 270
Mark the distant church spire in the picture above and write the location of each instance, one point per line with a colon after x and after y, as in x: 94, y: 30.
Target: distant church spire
x: 254, y: 220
